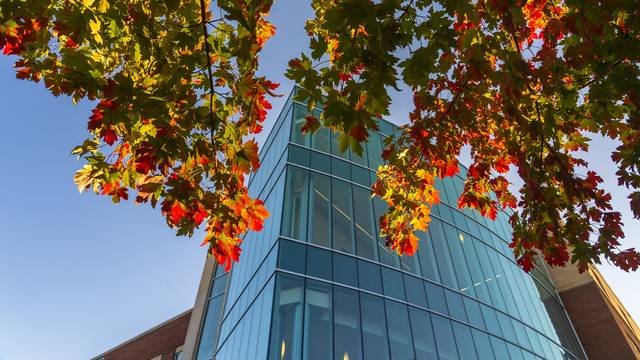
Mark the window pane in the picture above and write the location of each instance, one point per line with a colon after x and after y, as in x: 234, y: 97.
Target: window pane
x: 454, y: 238
x: 483, y: 346
x: 318, y: 323
x: 515, y: 353
x: 444, y: 338
x: 209, y: 334
x: 294, y: 221
x: 455, y: 305
x: 491, y: 320
x: 347, y: 342
x: 360, y: 175
x: 369, y: 276
x: 474, y: 313
x: 363, y: 213
x: 374, y: 328
x: 499, y: 348
x: 299, y: 113
x: 464, y: 341
x: 344, y: 270
x: 387, y: 256
x: 507, y: 327
x: 219, y: 285
x: 392, y: 283
x: 410, y: 263
x: 400, y: 340
x: 320, y: 140
x: 286, y: 324
x: 415, y: 290
x: 292, y: 256
x: 435, y: 297
x: 342, y: 217
x: 422, y: 334
x: 298, y: 155
x: 319, y: 263
x: 428, y: 262
x: 340, y: 168
x: 320, y: 162
x: 374, y: 151
x: 447, y: 273
x: 320, y: 210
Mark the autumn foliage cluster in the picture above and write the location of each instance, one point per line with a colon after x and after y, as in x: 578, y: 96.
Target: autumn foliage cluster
x: 522, y: 84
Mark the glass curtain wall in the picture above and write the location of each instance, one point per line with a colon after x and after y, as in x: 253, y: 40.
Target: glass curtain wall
x: 460, y: 297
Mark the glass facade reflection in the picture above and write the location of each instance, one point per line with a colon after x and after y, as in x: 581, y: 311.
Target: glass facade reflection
x: 318, y: 282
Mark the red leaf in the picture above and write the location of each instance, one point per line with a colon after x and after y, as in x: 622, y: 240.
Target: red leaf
x: 200, y: 215
x: 177, y: 212
x: 109, y: 136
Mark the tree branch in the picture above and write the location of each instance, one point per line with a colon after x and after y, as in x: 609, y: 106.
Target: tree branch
x: 214, y: 125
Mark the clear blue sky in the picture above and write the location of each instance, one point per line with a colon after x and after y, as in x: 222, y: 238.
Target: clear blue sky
x: 79, y: 275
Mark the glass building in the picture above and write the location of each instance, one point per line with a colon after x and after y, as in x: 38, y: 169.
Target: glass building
x: 318, y: 282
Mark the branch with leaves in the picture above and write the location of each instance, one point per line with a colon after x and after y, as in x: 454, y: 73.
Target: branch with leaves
x: 522, y: 84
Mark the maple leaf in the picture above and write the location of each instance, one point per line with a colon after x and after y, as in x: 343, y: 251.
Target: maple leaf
x: 177, y: 212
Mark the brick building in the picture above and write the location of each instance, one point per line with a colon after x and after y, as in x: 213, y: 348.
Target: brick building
x: 605, y: 328
x: 162, y: 342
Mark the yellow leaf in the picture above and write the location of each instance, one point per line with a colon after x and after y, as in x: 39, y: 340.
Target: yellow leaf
x: 103, y: 5
x: 94, y: 25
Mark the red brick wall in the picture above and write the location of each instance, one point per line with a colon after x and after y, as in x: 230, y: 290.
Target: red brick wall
x: 596, y: 325
x: 161, y: 341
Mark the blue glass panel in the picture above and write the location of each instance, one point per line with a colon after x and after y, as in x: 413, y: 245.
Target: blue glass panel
x: 210, y: 329
x: 344, y: 270
x: 298, y: 155
x: 483, y: 345
x: 423, y: 340
x: 426, y: 254
x: 464, y: 341
x: 455, y: 305
x: 374, y: 151
x: 319, y: 263
x: 342, y: 217
x: 369, y: 276
x: 447, y: 273
x: 400, y: 340
x: 292, y: 256
x: 320, y: 210
x: 387, y: 256
x: 499, y: 348
x: 286, y: 324
x: 299, y: 113
x: 363, y: 213
x: 320, y: 140
x: 320, y: 162
x: 435, y: 297
x: 374, y: 328
x: 318, y: 321
x: 515, y: 353
x: 340, y: 168
x: 392, y: 283
x: 491, y: 320
x: 444, y: 338
x: 415, y: 291
x: 294, y: 221
x: 507, y: 327
x: 474, y: 313
x: 360, y: 175
x: 346, y: 324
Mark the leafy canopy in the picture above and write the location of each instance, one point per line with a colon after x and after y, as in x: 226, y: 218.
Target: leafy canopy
x: 522, y: 84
